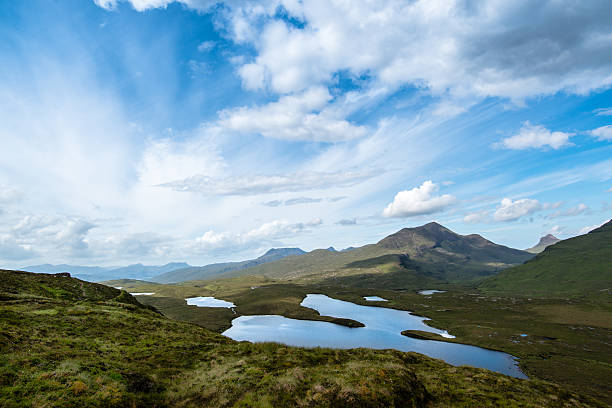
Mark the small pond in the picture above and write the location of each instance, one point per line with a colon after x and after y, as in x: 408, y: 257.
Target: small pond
x: 208, y: 301
x: 375, y: 299
x: 142, y: 293
x: 383, y: 327
x: 430, y: 291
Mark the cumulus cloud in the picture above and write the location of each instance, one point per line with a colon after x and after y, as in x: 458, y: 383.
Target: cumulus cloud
x: 418, y: 201
x: 535, y: 136
x: 488, y: 49
x: 477, y: 217
x: 347, y: 221
x: 484, y: 49
x: 302, y: 116
x: 513, y: 210
x: 263, y: 184
x: 602, y: 133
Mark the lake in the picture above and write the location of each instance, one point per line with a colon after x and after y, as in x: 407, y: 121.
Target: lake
x: 383, y: 327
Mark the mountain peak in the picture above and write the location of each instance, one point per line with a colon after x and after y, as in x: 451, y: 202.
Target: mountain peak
x: 545, y: 241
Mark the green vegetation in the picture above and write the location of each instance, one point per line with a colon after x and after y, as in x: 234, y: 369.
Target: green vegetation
x: 574, y: 267
x: 69, y: 343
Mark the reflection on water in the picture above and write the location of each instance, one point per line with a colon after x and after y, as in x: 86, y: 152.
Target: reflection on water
x: 382, y: 331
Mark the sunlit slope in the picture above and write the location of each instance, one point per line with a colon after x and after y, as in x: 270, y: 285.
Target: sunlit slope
x: 69, y: 343
x: 575, y: 266
x: 429, y: 253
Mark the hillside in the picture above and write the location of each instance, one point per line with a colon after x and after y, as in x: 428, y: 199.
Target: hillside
x: 411, y: 257
x: 213, y: 270
x: 65, y: 342
x: 574, y: 266
x: 544, y: 242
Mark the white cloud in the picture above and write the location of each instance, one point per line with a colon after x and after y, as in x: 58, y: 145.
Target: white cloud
x: 477, y: 217
x: 602, y: 133
x: 264, y: 184
x: 603, y: 112
x: 206, y: 46
x: 462, y: 48
x: 303, y: 116
x: 512, y: 210
x: 556, y: 230
x: 267, y: 233
x: 535, y: 136
x: 165, y: 160
x: 418, y: 201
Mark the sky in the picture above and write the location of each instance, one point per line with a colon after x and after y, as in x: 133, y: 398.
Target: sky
x: 193, y: 130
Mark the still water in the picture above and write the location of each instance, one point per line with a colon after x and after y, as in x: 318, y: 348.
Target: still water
x: 382, y: 330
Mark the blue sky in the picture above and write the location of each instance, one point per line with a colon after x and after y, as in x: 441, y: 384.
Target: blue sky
x: 157, y: 130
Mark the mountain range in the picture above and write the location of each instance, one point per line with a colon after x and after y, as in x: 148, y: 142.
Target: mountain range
x: 98, y: 273
x: 217, y: 269
x: 429, y: 254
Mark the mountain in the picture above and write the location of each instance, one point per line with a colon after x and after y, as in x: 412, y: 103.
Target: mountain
x: 213, y: 270
x: 574, y: 266
x: 99, y: 274
x: 545, y: 241
x: 69, y: 343
x: 412, y: 256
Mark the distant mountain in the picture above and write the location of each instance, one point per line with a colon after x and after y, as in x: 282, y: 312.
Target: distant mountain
x: 412, y: 256
x: 574, y: 266
x: 99, y: 274
x: 214, y: 270
x: 545, y: 241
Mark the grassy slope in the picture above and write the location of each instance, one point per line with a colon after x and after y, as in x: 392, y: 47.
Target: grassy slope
x: 568, y: 341
x: 60, y: 347
x: 575, y: 266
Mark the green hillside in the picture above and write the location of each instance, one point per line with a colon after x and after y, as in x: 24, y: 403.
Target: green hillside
x: 575, y: 266
x: 410, y: 258
x: 69, y: 343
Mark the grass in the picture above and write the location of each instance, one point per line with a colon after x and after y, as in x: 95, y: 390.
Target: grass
x: 573, y: 333
x: 574, y: 267
x: 59, y: 347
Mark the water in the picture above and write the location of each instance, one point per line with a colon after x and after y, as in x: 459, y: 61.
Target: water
x: 375, y: 299
x: 208, y: 301
x: 142, y: 293
x: 430, y: 291
x: 382, y: 331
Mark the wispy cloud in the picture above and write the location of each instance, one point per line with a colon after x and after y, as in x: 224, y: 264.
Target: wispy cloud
x: 602, y: 133
x: 264, y: 184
